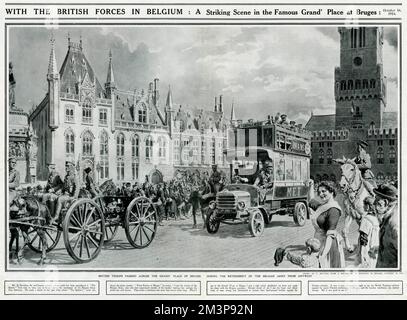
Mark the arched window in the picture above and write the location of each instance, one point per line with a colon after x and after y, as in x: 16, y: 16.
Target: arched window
x: 358, y: 84
x: 69, y: 143
x: 104, y: 156
x: 135, y: 146
x: 203, y: 151
x: 350, y: 84
x: 321, y: 156
x: 120, y: 145
x: 69, y: 115
x: 213, y: 148
x: 142, y: 113
x: 372, y: 83
x: 365, y: 84
x: 337, y: 85
x: 329, y: 156
x: 380, y: 155
x: 343, y: 85
x: 392, y: 155
x: 87, y: 112
x: 87, y: 144
x: 149, y: 148
x: 162, y: 147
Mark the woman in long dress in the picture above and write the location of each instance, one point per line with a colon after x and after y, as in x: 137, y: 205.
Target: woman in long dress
x: 325, y: 219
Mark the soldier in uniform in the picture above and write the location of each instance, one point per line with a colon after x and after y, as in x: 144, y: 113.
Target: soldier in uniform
x: 364, y: 164
x: 264, y: 179
x: 13, y: 179
x: 89, y: 185
x: 70, y: 189
x: 216, y: 180
x: 53, y: 188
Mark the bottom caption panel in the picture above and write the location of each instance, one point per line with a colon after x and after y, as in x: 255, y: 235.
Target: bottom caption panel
x: 367, y: 287
x: 32, y: 287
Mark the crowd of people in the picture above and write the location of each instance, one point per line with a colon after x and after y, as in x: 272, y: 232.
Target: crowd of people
x: 376, y: 215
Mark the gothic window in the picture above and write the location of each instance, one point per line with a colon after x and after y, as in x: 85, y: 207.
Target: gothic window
x: 176, y: 151
x: 358, y: 84
x: 391, y: 142
x: 372, y: 83
x: 379, y: 142
x: 103, y: 116
x: 87, y: 112
x: 350, y: 84
x: 162, y: 147
x: 353, y: 36
x: 213, y: 148
x: 380, y: 156
x: 69, y: 143
x: 362, y: 37
x: 149, y: 148
x: 87, y: 144
x: 329, y: 156
x: 392, y: 155
x: 69, y: 115
x: 321, y: 156
x: 120, y: 169
x: 337, y: 85
x: 120, y: 145
x: 343, y: 85
x: 142, y: 114
x: 365, y: 84
x: 135, y: 169
x: 203, y: 151
x: 104, y: 156
x: 135, y: 146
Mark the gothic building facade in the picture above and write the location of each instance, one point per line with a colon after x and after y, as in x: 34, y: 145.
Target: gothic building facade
x: 121, y: 135
x: 360, y: 113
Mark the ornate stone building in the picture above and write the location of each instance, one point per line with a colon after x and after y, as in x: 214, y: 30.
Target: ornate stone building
x: 360, y: 95
x: 119, y: 134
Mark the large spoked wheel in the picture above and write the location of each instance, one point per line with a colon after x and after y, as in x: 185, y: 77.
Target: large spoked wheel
x: 256, y: 223
x: 52, y: 236
x: 84, y: 230
x: 300, y: 213
x: 212, y: 222
x: 110, y: 229
x: 140, y: 222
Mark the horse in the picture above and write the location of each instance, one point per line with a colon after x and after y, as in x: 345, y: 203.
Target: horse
x: 28, y: 209
x: 356, y: 190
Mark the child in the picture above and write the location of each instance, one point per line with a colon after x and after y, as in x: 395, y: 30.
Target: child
x: 309, y: 259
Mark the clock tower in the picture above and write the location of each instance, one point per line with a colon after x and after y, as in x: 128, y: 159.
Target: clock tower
x: 360, y: 86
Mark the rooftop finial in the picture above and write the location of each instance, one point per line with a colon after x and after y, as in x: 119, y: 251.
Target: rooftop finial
x: 52, y: 66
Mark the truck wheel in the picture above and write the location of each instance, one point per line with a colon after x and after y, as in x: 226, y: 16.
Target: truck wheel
x: 256, y: 223
x: 300, y: 213
x: 212, y: 223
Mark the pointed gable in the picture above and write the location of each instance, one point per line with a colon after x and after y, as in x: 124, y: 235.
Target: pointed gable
x: 75, y: 69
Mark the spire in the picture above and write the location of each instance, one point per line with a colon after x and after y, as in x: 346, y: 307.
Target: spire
x: 52, y: 66
x: 110, y: 75
x: 232, y: 113
x: 168, y: 104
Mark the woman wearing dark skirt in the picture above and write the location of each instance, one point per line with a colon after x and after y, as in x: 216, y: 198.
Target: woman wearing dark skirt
x: 325, y: 217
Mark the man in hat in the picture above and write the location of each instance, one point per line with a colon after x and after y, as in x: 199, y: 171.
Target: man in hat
x: 13, y: 178
x: 364, y: 164
x: 70, y: 189
x: 264, y: 179
x: 216, y: 180
x: 53, y: 188
x: 387, y: 211
x: 89, y: 185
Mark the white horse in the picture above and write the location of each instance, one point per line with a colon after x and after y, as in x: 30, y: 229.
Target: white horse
x: 355, y: 189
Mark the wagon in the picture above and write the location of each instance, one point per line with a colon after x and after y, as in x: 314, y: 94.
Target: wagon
x: 86, y: 224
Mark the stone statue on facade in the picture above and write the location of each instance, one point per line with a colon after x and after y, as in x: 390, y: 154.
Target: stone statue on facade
x: 12, y: 85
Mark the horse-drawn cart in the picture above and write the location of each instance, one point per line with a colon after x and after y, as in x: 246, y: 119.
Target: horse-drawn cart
x: 86, y: 224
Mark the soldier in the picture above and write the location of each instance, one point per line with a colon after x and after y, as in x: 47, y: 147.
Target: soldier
x: 364, y: 164
x: 13, y: 179
x: 52, y: 189
x: 238, y: 179
x: 264, y: 179
x: 216, y: 179
x: 70, y: 189
x: 89, y: 185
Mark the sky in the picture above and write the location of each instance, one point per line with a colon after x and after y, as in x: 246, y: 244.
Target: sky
x: 261, y: 69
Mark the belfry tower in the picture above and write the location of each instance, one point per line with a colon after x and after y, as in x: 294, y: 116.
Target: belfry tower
x: 360, y: 86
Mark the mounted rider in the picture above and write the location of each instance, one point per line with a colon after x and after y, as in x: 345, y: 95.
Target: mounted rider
x: 364, y: 164
x: 70, y: 189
